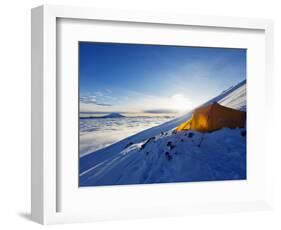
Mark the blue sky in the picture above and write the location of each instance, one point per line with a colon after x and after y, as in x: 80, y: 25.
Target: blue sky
x: 135, y: 78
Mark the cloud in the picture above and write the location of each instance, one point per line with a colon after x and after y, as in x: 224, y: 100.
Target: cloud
x: 103, y: 104
x: 107, y: 132
x: 156, y: 111
x: 99, y: 94
x: 92, y: 100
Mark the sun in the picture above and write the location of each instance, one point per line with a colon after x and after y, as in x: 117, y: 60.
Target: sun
x: 181, y: 103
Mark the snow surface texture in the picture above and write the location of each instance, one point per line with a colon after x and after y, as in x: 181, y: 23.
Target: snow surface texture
x: 159, y: 155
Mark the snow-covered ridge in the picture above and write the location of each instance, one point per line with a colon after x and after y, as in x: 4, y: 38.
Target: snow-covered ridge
x: 154, y: 146
x: 235, y: 99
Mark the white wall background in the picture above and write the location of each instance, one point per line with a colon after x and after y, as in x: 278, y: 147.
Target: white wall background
x: 15, y: 112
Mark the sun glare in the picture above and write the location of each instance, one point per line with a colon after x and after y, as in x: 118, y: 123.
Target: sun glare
x: 181, y: 103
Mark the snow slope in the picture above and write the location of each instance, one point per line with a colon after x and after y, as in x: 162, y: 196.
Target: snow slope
x: 158, y: 155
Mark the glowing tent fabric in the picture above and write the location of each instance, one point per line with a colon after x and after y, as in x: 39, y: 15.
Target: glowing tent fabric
x: 213, y: 117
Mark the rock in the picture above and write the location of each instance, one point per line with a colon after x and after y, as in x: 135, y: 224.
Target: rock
x: 145, y: 143
x: 243, y: 133
x: 190, y: 135
x: 129, y: 144
x: 169, y: 157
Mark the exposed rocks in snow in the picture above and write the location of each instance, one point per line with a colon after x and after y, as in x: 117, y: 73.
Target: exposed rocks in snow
x: 169, y: 157
x: 129, y: 144
x: 190, y: 135
x: 243, y: 133
x: 171, y: 145
x: 145, y: 143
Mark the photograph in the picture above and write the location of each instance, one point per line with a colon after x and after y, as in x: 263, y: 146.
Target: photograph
x: 151, y: 114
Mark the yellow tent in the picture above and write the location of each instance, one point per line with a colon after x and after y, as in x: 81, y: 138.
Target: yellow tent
x: 213, y: 117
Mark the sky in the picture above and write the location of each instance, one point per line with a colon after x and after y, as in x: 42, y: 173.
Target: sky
x: 154, y: 79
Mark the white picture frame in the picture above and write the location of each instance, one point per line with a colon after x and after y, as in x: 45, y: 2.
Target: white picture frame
x: 46, y: 163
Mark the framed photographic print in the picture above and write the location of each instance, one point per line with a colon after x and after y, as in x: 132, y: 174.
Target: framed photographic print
x: 140, y: 114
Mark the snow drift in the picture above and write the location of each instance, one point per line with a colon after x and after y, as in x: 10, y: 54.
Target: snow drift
x: 159, y: 155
